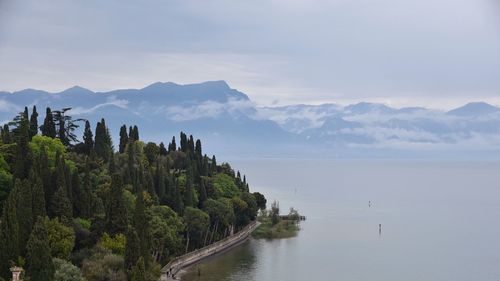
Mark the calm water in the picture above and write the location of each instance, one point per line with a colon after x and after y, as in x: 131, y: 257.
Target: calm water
x: 440, y: 222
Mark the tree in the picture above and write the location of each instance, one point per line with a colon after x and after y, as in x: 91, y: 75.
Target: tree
x: 23, y: 158
x: 9, y: 234
x: 102, y: 144
x: 139, y: 271
x: 38, y: 260
x: 188, y: 191
x: 24, y: 212
x: 172, y: 146
x: 132, y: 248
x: 260, y: 199
x: 49, y: 126
x: 197, y: 223
x: 116, y: 211
x: 60, y: 204
x: 151, y: 151
x: 163, y: 150
x: 88, y: 138
x: 123, y: 139
x: 141, y: 225
x: 34, y: 122
x: 65, y: 271
x: 61, y: 238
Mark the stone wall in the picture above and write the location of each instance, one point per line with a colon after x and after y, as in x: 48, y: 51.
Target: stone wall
x: 174, y: 266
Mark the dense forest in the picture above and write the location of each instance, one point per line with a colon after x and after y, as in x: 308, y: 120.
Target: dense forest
x: 83, y: 210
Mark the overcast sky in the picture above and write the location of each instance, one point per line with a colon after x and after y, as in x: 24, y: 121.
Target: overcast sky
x: 436, y: 53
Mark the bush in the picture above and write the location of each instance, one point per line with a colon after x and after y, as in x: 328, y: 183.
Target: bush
x: 66, y: 271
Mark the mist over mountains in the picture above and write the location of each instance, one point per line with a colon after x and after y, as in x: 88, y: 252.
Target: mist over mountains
x: 230, y: 124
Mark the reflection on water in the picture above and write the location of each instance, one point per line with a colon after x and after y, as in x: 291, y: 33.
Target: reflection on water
x: 235, y: 264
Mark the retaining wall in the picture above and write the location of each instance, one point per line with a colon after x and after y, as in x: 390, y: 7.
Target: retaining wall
x: 175, y: 265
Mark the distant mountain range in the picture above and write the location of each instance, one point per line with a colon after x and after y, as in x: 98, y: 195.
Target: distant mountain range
x: 230, y: 123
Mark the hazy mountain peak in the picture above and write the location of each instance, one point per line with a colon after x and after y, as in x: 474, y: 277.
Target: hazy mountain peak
x: 474, y: 108
x: 76, y: 90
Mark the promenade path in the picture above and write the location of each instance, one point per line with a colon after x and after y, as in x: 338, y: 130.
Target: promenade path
x: 169, y: 271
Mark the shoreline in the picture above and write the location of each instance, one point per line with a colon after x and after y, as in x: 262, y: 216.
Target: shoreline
x: 174, y: 269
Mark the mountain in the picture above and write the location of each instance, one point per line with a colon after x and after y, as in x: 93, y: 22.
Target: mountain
x: 474, y: 109
x: 231, y: 124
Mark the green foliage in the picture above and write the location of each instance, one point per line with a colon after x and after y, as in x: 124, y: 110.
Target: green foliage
x: 5, y: 181
x: 65, y: 271
x: 105, y: 267
x: 52, y: 148
x: 166, y: 227
x: 139, y: 271
x: 260, y: 199
x: 39, y: 259
x: 9, y: 234
x: 116, y: 211
x: 61, y: 238
x: 115, y: 244
x: 224, y: 186
x: 83, y: 223
x: 197, y: 223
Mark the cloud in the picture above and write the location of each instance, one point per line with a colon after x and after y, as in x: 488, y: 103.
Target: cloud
x: 111, y: 101
x: 6, y: 106
x: 207, y: 109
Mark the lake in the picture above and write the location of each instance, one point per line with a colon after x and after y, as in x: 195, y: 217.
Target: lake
x: 440, y: 222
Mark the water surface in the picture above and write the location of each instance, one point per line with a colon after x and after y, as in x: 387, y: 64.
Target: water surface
x: 440, y: 222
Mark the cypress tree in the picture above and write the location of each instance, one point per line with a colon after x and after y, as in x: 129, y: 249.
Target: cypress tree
x: 172, y: 146
x: 78, y: 197
x: 197, y: 149
x: 86, y: 199
x: 23, y: 156
x: 6, y: 137
x: 34, y: 122
x: 159, y: 180
x: 61, y: 205
x: 123, y: 139
x: 184, y: 144
x: 132, y: 249
x: 136, y: 133
x: 88, y: 138
x: 203, y: 194
x: 24, y: 212
x: 102, y: 144
x: 46, y: 175
x: 38, y: 197
x: 163, y: 150
x: 214, y: 165
x: 61, y: 133
x: 39, y: 260
x: 116, y: 211
x: 188, y: 192
x: 49, y: 127
x: 9, y: 234
x: 141, y: 225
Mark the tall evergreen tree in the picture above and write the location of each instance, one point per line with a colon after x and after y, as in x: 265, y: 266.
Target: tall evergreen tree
x: 123, y: 139
x: 172, y: 146
x: 9, y: 234
x: 33, y: 122
x: 188, y: 192
x: 49, y: 126
x: 24, y: 212
x: 6, y: 137
x: 116, y: 211
x: 38, y: 196
x: 203, y: 194
x: 23, y: 158
x: 132, y: 249
x: 61, y: 206
x: 102, y: 144
x: 141, y: 225
x: 214, y: 165
x: 163, y: 150
x: 135, y: 133
x: 39, y: 261
x: 88, y: 138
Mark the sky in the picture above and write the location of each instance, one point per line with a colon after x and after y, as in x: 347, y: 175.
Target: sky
x: 435, y: 53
